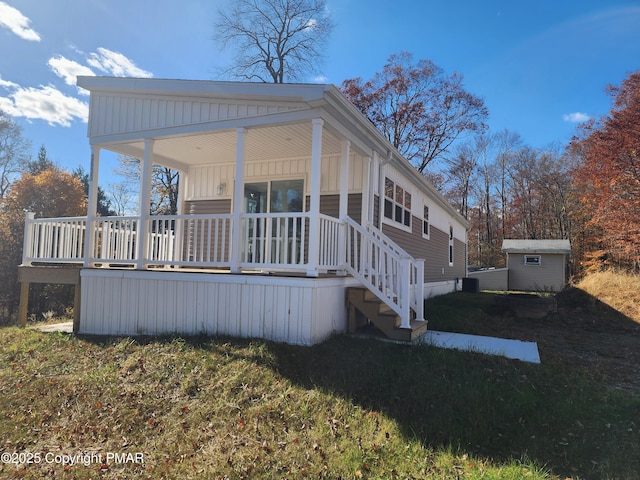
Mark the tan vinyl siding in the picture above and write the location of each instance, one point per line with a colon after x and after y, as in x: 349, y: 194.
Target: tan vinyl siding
x: 330, y: 205
x: 550, y: 275
x: 435, y: 250
x: 207, y: 207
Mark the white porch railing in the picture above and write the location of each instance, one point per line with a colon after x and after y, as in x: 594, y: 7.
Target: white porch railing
x: 391, y: 274
x: 59, y: 240
x: 115, y: 240
x: 189, y: 241
x: 272, y: 241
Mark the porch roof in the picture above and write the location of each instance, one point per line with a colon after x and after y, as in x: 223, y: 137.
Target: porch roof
x: 194, y: 122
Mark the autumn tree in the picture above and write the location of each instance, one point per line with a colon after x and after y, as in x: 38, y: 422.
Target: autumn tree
x: 274, y: 40
x: 50, y: 193
x: 608, y: 173
x: 14, y: 151
x: 420, y: 109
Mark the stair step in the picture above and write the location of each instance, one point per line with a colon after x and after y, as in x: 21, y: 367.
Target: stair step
x: 381, y: 315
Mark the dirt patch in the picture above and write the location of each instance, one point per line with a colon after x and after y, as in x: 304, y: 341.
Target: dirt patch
x: 584, y: 333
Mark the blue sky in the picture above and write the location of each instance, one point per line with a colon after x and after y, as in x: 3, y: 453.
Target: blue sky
x: 540, y: 65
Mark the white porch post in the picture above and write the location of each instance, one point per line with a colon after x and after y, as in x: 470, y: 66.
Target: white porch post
x: 178, y: 246
x: 92, y: 206
x: 314, y: 198
x: 238, y: 203
x: 367, y: 193
x: 145, y: 203
x: 344, y: 179
x: 343, y: 210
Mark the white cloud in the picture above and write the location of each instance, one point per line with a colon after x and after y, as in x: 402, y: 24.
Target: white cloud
x: 51, y: 105
x: 575, y: 117
x: 115, y: 64
x: 68, y: 70
x: 7, y: 83
x: 43, y: 103
x: 14, y: 20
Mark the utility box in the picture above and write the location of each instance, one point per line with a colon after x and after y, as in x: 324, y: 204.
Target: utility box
x: 470, y: 285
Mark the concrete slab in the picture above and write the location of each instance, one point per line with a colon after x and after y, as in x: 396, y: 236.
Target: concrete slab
x: 515, y: 349
x: 66, y: 327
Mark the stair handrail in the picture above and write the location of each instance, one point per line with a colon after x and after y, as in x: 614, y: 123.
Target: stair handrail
x: 386, y: 269
x: 380, y: 235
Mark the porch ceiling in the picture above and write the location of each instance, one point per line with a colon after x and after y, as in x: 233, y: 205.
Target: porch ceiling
x: 264, y: 143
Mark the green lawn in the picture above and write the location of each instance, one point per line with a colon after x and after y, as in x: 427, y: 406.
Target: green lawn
x: 348, y: 408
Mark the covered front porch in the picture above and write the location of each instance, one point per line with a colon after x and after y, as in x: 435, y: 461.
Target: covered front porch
x: 274, y: 180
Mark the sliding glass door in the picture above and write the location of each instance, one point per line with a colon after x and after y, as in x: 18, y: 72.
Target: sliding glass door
x: 275, y: 239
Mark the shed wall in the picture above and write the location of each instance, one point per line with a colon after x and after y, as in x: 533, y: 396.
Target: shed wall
x: 549, y: 276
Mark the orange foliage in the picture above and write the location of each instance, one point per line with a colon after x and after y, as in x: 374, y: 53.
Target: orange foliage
x: 51, y: 193
x: 608, y: 173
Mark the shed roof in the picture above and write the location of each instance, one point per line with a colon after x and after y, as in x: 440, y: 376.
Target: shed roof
x: 536, y: 246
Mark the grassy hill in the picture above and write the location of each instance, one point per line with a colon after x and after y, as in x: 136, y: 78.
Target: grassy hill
x: 348, y: 408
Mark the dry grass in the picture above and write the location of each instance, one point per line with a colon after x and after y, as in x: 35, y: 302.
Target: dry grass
x: 619, y: 290
x: 348, y: 408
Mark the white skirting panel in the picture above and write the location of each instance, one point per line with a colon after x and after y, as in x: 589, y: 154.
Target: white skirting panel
x: 433, y: 289
x: 301, y: 311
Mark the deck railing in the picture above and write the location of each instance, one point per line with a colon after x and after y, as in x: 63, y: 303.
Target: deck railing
x: 115, y: 240
x: 274, y: 240
x: 268, y: 241
x: 189, y: 240
x: 391, y: 274
x: 59, y: 240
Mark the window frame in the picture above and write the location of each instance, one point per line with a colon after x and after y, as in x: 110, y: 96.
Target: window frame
x: 451, y: 242
x: 396, y: 209
x: 426, y: 224
x: 535, y: 263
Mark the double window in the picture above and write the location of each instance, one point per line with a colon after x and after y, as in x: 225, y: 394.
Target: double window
x: 397, y: 203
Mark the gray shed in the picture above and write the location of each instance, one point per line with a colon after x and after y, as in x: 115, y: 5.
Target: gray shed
x: 538, y: 265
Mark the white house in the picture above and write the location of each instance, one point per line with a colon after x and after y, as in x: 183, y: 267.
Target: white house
x: 294, y: 211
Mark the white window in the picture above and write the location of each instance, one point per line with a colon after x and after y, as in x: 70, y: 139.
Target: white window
x: 425, y: 222
x: 397, y: 203
x: 450, y: 246
x: 532, y: 260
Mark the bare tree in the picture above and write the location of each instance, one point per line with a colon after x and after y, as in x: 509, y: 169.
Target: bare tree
x: 461, y: 169
x: 507, y: 144
x: 274, y: 40
x: 14, y: 152
x: 164, y: 187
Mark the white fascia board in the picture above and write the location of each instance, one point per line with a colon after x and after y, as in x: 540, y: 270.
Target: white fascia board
x: 205, y: 88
